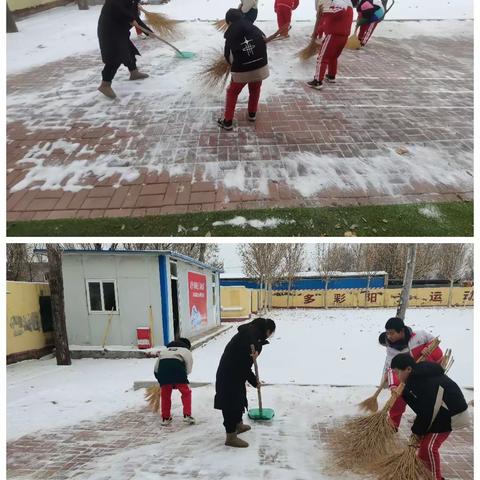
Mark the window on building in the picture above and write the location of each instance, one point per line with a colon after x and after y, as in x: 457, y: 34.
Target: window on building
x: 173, y: 270
x: 102, y: 296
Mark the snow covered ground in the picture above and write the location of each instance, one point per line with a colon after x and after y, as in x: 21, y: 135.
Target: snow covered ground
x: 64, y: 31
x: 315, y: 347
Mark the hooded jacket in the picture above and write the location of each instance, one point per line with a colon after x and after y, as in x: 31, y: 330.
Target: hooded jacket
x: 434, y: 397
x: 173, y: 365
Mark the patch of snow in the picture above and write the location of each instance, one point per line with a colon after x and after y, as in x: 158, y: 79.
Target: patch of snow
x: 243, y: 222
x: 430, y: 211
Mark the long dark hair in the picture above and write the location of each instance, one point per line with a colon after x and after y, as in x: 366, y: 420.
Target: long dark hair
x: 260, y: 326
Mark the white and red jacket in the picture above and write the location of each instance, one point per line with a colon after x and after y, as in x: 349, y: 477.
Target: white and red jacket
x: 337, y: 17
x: 417, y: 342
x: 291, y: 4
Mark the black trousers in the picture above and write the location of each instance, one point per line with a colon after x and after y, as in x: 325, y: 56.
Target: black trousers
x: 110, y: 69
x: 231, y: 418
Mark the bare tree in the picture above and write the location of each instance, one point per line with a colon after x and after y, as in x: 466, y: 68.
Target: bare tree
x: 294, y: 263
x: 407, y: 281
x: 11, y: 24
x: 367, y: 261
x: 17, y: 261
x: 55, y: 280
x: 452, y: 262
x: 329, y: 258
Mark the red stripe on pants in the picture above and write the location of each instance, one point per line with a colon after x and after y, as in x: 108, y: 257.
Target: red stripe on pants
x: 330, y: 50
x: 284, y: 16
x: 166, y: 396
x: 366, y: 32
x: 397, y: 411
x: 428, y: 452
x: 233, y: 91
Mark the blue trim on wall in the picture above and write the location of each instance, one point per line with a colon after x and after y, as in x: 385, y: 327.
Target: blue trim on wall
x: 312, y: 283
x: 162, y: 269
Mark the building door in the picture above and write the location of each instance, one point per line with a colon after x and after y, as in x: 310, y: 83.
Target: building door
x: 174, y: 292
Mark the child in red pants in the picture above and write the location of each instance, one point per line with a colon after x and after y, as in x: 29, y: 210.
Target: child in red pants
x: 246, y: 52
x: 370, y: 14
x: 171, y: 370
x: 336, y: 21
x: 402, y: 339
x: 283, y: 9
x: 438, y: 403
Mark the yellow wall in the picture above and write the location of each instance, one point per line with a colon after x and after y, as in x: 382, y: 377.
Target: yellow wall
x: 378, y: 297
x: 23, y: 4
x: 24, y: 326
x: 236, y: 302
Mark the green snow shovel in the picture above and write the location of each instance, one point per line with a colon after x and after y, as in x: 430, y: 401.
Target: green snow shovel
x: 180, y: 54
x: 259, y: 413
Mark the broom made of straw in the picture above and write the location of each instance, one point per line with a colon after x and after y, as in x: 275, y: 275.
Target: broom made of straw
x: 309, y: 51
x: 152, y: 396
x: 215, y: 74
x: 371, y: 403
x: 221, y: 25
x: 161, y: 23
x: 447, y: 360
x: 404, y: 466
x: 362, y: 441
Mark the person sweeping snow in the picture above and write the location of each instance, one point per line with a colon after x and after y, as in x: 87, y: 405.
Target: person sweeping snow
x: 284, y: 9
x: 402, y: 339
x: 336, y: 23
x: 116, y: 19
x: 438, y: 403
x: 234, y: 369
x: 171, y: 370
x: 370, y: 14
x: 246, y: 52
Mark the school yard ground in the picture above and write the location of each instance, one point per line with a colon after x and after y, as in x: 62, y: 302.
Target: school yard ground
x: 397, y: 128
x: 86, y: 421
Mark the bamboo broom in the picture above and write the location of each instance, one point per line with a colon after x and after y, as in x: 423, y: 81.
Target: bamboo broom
x: 309, y: 51
x: 221, y: 25
x: 371, y: 403
x: 161, y: 23
x: 404, y: 466
x: 363, y: 441
x: 215, y: 74
x: 447, y: 360
x: 152, y: 396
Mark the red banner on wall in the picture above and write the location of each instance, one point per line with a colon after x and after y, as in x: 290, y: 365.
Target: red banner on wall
x: 197, y: 297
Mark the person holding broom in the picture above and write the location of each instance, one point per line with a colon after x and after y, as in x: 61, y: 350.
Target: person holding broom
x: 336, y: 22
x: 246, y: 52
x: 370, y: 14
x: 438, y: 403
x: 284, y: 9
x: 234, y: 370
x: 171, y: 370
x: 402, y: 339
x: 116, y: 19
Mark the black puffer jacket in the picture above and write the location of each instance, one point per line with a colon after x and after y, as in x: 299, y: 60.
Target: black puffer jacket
x: 245, y: 47
x: 235, y: 368
x: 429, y: 390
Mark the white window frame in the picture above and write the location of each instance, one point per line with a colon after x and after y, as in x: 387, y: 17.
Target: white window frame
x: 101, y: 281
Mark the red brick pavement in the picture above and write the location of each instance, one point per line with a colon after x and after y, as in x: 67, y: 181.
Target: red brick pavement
x: 137, y: 158
x: 71, y: 452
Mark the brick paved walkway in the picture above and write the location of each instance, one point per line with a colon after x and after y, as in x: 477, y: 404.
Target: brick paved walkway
x: 132, y: 444
x: 156, y: 149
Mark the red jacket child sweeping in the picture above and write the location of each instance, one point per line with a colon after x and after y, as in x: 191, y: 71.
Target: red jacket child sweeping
x: 402, y: 339
x: 283, y: 9
x: 336, y: 23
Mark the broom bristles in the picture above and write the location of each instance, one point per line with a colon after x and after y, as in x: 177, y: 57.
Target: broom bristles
x: 161, y: 24
x: 369, y: 405
x: 216, y: 73
x: 404, y: 466
x: 221, y: 25
x: 309, y: 51
x: 152, y: 396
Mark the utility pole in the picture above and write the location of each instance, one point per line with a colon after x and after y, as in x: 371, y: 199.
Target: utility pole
x: 407, y: 280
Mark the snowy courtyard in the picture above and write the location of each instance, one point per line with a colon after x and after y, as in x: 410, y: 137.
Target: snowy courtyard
x: 396, y: 128
x: 86, y: 421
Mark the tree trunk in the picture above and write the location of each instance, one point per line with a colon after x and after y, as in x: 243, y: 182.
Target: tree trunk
x: 407, y: 281
x: 367, y: 291
x: 450, y: 293
x: 82, y: 4
x: 201, y: 255
x: 325, y: 303
x: 55, y: 280
x: 288, y: 293
x: 11, y: 25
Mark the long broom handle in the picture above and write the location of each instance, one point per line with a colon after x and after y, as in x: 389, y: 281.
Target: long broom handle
x: 433, y: 345
x: 159, y: 38
x: 255, y: 365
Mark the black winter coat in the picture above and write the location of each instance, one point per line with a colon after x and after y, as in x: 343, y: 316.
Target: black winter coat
x: 113, y: 31
x: 427, y: 386
x: 246, y: 44
x: 235, y: 369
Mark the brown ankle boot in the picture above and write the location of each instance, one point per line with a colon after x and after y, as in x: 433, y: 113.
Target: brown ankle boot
x: 241, y: 428
x: 106, y: 89
x: 136, y: 75
x: 233, y: 441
